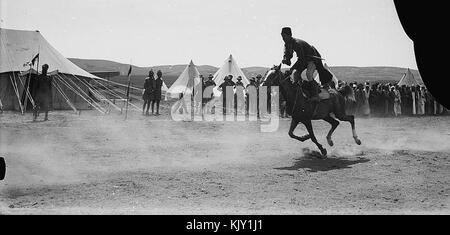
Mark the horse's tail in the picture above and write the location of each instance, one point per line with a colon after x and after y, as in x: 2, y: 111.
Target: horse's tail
x: 346, y: 94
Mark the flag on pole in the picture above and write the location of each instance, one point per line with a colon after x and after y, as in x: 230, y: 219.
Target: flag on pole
x: 128, y: 91
x: 129, y: 71
x: 129, y: 80
x: 36, y: 57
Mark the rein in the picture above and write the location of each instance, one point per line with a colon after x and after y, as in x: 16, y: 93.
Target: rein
x: 296, y: 96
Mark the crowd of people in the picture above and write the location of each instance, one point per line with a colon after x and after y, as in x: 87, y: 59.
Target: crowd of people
x: 370, y: 100
x: 391, y: 100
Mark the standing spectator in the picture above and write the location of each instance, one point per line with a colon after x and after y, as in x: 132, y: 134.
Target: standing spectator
x: 422, y: 101
x: 366, y: 93
x: 419, y: 100
x: 43, y: 93
x: 391, y: 100
x: 373, y: 99
x: 208, y: 88
x: 157, y: 92
x: 251, y: 107
x: 403, y: 99
x: 239, y: 99
x: 359, y: 95
x: 397, y: 101
x: 227, y: 102
x: 413, y: 97
x: 380, y: 100
x: 385, y: 99
x: 410, y: 101
x: 351, y: 101
x: 148, y: 92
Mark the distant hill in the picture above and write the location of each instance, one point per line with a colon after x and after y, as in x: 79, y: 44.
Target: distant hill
x: 171, y: 72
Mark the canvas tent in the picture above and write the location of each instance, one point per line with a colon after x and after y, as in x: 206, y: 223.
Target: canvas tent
x: 408, y: 79
x: 185, y: 83
x: 229, y: 67
x: 71, y: 85
x: 334, y: 79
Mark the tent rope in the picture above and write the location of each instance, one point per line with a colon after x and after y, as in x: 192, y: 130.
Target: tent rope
x: 83, y: 92
x: 97, y: 93
x: 79, y: 94
x: 132, y: 105
x: 117, y: 95
x: 16, y: 90
x: 27, y: 91
x: 60, y: 90
x: 109, y: 90
x: 91, y: 103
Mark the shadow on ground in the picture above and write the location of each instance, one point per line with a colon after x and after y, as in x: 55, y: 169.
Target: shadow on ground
x: 313, y: 161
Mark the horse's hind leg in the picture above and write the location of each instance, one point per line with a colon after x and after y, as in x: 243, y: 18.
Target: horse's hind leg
x: 334, y: 124
x: 309, y: 127
x: 294, y: 124
x: 351, y: 119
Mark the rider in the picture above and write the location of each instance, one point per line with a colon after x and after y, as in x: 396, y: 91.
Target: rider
x: 307, y: 58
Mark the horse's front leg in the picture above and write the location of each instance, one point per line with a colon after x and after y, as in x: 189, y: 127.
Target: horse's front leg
x: 309, y: 127
x: 294, y: 124
x: 334, y: 124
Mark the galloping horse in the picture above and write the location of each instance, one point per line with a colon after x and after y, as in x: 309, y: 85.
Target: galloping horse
x: 302, y: 111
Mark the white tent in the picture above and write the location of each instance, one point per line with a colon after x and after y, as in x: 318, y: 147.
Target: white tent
x: 185, y: 83
x: 229, y: 67
x: 71, y: 88
x: 334, y: 79
x: 19, y: 46
x: 408, y: 79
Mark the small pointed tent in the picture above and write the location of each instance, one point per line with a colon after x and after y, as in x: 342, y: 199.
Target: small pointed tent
x: 19, y: 47
x: 408, y: 79
x: 185, y: 83
x: 334, y: 79
x: 164, y: 87
x: 229, y: 67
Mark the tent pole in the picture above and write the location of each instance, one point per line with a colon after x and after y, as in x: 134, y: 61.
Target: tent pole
x: 128, y: 91
x: 27, y: 83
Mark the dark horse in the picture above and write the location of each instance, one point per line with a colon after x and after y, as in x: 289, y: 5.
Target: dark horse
x: 301, y: 110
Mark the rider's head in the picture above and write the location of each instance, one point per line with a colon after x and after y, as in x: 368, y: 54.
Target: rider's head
x: 286, y: 33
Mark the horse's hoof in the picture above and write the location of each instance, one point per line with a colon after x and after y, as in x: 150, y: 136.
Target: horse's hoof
x: 358, y: 142
x: 330, y: 142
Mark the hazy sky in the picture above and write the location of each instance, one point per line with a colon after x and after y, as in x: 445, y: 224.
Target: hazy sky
x: 160, y: 32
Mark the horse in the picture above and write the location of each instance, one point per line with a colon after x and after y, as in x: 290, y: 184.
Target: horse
x: 302, y: 111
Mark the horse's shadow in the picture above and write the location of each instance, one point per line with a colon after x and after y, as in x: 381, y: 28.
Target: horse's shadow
x: 313, y: 161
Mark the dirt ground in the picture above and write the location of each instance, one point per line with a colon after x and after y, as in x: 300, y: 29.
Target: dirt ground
x: 102, y: 164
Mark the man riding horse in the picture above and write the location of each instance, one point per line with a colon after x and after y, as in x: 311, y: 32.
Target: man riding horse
x: 307, y: 58
x: 303, y: 108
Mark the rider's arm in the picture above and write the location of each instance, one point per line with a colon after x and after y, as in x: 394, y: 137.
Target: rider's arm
x: 288, y: 53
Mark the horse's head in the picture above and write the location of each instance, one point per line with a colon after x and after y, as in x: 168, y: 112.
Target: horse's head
x: 274, y: 76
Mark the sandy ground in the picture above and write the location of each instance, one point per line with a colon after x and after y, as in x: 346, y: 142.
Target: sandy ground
x: 97, y: 164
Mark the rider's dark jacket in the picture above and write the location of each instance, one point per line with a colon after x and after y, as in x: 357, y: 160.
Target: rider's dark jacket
x: 305, y: 54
